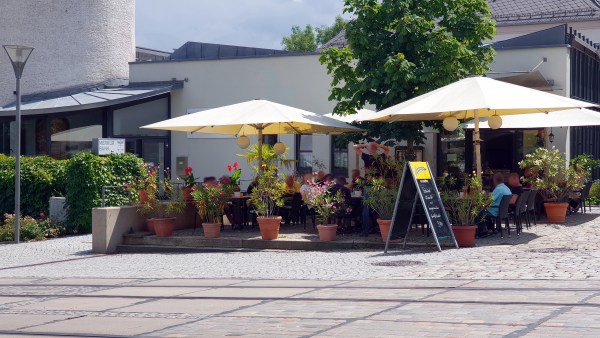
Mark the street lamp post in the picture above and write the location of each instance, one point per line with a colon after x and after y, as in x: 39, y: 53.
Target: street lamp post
x: 18, y: 56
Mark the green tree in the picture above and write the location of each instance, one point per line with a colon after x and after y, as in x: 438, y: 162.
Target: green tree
x: 309, y: 38
x: 300, y: 40
x: 399, y: 49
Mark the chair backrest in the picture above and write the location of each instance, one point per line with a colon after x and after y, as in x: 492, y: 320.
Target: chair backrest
x: 585, y: 192
x: 531, y: 200
x: 521, y: 205
x: 504, y: 205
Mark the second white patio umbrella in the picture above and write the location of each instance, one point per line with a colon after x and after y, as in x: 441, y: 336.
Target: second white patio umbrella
x: 561, y: 118
x: 256, y: 117
x: 476, y: 97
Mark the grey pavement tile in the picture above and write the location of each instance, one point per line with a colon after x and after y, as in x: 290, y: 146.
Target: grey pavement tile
x: 199, y: 307
x: 250, y: 327
x: 513, y: 296
x: 192, y: 282
x: 12, y: 321
x: 88, y: 281
x: 126, y: 326
x: 81, y: 304
x: 467, y: 313
x: 240, y: 292
x: 287, y: 283
x: 368, y: 328
x: 577, y: 317
x: 313, y: 309
x: 147, y: 291
x: 13, y: 281
x: 7, y: 300
x: 562, y: 332
x: 370, y: 294
x: 524, y: 284
x: 407, y: 283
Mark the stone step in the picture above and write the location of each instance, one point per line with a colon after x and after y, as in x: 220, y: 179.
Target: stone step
x: 173, y: 249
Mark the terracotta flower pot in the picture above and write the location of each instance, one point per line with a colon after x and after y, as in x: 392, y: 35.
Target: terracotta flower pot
x: 143, y: 195
x: 465, y: 235
x: 556, y: 212
x: 163, y: 227
x: 384, y: 228
x: 327, y: 232
x: 269, y: 227
x: 211, y: 230
x: 186, y: 193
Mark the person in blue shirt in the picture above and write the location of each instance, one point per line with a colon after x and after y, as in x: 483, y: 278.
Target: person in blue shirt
x: 500, y: 190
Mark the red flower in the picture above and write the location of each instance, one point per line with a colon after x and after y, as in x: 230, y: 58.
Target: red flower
x: 188, y: 170
x: 235, y: 165
x: 229, y: 167
x: 42, y: 214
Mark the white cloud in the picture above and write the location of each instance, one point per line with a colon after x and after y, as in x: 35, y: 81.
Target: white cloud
x: 167, y: 24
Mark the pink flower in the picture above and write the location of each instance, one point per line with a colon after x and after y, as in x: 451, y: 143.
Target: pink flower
x: 42, y: 214
x: 235, y: 164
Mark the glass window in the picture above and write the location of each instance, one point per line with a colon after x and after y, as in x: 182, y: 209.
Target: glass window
x: 127, y: 121
x: 33, y: 137
x: 304, y: 155
x: 339, y: 157
x: 270, y: 139
x: 7, y: 137
x: 74, y: 133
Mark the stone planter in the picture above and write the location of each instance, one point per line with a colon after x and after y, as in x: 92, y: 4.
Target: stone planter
x: 211, y: 230
x: 163, y: 227
x: 465, y: 235
x: 269, y: 227
x: 384, y: 228
x: 327, y: 232
x: 556, y: 212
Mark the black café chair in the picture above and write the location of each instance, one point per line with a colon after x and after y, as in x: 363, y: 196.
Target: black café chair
x: 519, y: 210
x: 585, y: 195
x: 503, y: 215
x: 291, y: 211
x: 531, y: 207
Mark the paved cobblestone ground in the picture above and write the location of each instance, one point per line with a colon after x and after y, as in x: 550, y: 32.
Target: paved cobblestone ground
x: 543, y: 283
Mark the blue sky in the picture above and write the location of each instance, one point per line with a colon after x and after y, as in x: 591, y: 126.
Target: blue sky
x: 167, y: 24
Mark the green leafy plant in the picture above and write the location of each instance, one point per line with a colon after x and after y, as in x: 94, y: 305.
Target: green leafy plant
x: 584, y: 164
x: 154, y: 206
x: 463, y: 209
x: 237, y: 172
x: 30, y: 229
x: 211, y: 200
x: 189, y: 181
x: 268, y: 194
x: 380, y: 196
x: 270, y: 158
x: 547, y: 171
x: 325, y: 203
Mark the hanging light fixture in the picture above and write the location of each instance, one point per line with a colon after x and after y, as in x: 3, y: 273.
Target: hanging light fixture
x: 551, y: 136
x: 495, y: 121
x: 243, y: 141
x: 450, y: 123
x: 279, y: 148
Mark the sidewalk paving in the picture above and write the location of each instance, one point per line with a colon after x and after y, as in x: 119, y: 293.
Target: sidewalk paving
x: 544, y: 283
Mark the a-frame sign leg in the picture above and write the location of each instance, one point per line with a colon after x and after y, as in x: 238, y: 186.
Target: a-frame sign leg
x: 412, y: 215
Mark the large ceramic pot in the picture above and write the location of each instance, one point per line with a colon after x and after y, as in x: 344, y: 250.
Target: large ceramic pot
x: 163, y: 227
x: 269, y: 227
x: 465, y: 235
x: 211, y: 230
x: 384, y: 228
x: 556, y: 212
x: 327, y: 232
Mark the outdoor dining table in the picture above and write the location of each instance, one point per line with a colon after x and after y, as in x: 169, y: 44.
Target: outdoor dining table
x: 239, y: 210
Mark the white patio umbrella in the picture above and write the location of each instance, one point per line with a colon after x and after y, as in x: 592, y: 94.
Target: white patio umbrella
x: 256, y: 117
x: 561, y: 118
x: 476, y: 97
x: 360, y: 115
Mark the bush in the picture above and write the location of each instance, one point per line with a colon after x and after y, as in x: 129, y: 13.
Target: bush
x: 29, y: 226
x: 41, y: 178
x: 595, y: 193
x: 87, y: 174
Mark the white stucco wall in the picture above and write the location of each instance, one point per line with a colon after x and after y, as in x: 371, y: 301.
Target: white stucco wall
x: 591, y: 30
x: 77, y: 42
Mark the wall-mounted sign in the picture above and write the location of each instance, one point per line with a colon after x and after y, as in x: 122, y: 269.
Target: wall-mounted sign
x: 106, y: 146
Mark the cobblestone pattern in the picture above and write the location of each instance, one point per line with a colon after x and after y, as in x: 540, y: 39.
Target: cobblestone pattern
x: 569, y: 251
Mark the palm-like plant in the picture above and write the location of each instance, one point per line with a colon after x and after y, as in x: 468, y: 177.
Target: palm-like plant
x: 270, y: 158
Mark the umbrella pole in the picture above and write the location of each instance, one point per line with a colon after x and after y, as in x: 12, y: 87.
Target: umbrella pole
x: 260, y: 145
x: 476, y: 140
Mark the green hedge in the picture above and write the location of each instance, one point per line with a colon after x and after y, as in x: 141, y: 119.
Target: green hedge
x: 80, y: 179
x: 41, y: 178
x: 87, y: 174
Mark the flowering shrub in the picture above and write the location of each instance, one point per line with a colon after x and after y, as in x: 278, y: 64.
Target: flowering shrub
x: 147, y: 181
x: 189, y: 181
x: 210, y: 201
x: 31, y: 229
x: 325, y: 203
x: 547, y: 171
x: 237, y: 172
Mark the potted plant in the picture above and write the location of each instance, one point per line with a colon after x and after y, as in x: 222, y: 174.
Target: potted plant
x: 210, y: 201
x: 189, y: 183
x: 547, y: 171
x: 160, y: 213
x: 266, y: 197
x: 464, y: 209
x: 326, y: 205
x: 235, y: 173
x: 381, y: 197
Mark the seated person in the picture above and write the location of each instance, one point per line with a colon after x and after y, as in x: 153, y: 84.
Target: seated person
x: 210, y: 181
x: 307, y: 180
x: 291, y: 186
x: 514, y: 184
x: 500, y: 190
x: 340, y: 185
x: 252, y: 185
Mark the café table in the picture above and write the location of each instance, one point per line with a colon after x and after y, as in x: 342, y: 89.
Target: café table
x: 239, y: 210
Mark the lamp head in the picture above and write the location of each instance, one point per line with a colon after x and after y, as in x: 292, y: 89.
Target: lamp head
x: 18, y: 56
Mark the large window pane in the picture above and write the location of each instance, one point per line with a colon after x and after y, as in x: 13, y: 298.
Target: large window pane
x: 127, y: 121
x: 340, y: 157
x: 74, y: 133
x: 304, y: 153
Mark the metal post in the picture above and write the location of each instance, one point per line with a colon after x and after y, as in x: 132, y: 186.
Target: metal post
x: 477, y: 141
x: 18, y: 165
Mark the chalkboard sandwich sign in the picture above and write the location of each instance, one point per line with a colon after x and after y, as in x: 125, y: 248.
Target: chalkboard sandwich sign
x: 418, y: 195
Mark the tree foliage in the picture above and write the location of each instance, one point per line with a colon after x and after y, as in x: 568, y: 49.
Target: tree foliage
x: 310, y: 38
x: 399, y: 49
